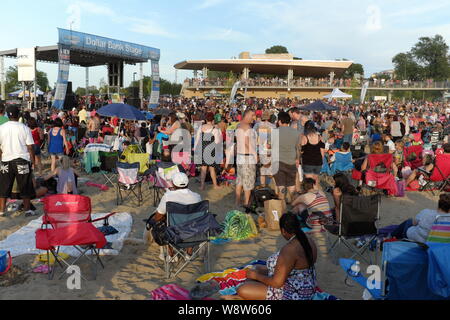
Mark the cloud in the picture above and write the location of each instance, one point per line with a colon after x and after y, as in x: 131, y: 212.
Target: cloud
x: 150, y: 28
x: 142, y: 26
x: 373, y: 22
x: 224, y: 34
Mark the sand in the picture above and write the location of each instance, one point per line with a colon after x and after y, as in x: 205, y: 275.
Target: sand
x: 137, y: 270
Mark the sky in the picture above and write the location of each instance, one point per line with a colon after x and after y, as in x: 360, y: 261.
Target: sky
x: 365, y: 31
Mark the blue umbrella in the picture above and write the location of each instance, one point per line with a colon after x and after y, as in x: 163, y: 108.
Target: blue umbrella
x: 148, y: 115
x: 121, y: 111
x: 319, y: 105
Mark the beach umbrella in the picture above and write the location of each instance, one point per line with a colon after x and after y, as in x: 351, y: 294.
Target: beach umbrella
x: 121, y: 111
x: 320, y: 106
x: 148, y: 115
x: 162, y: 112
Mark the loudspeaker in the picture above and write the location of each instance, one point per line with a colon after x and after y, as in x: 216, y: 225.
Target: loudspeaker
x: 135, y: 102
x: 134, y: 93
x: 115, y: 74
x: 69, y: 88
x: 70, y: 101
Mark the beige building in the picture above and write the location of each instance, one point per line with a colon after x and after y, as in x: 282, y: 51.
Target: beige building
x: 290, y: 77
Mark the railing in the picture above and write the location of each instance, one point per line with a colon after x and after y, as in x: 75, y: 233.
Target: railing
x: 321, y: 83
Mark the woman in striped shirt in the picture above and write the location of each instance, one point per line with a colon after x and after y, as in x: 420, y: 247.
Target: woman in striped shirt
x: 311, y: 202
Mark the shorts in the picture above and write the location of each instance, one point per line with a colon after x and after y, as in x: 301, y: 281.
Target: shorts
x: 37, y: 150
x: 19, y: 170
x: 311, y: 169
x: 93, y: 134
x: 59, y: 155
x: 285, y: 177
x: 246, y: 176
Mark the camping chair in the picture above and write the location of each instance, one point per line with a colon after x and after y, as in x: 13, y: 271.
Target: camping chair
x: 67, y: 221
x: 162, y: 183
x: 108, y: 166
x: 417, y: 150
x: 343, y: 163
x: 405, y: 273
x: 381, y: 180
x: 440, y: 177
x: 358, y: 218
x: 129, y: 182
x: 109, y: 140
x: 190, y: 226
x: 440, y: 230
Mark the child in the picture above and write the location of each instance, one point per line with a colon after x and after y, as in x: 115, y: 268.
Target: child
x: 67, y: 177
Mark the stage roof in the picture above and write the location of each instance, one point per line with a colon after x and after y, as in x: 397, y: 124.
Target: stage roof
x: 312, y: 68
x: 79, y: 58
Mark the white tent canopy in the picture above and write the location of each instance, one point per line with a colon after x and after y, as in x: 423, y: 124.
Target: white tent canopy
x: 338, y: 94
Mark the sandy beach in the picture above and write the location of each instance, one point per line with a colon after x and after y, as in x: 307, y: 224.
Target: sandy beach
x: 137, y: 270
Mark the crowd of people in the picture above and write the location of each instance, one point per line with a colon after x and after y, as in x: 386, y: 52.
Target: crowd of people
x: 316, y: 82
x: 253, y: 143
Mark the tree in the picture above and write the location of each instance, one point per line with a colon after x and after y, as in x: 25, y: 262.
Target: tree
x: 352, y: 70
x: 165, y: 87
x: 277, y: 49
x: 432, y: 54
x: 13, y: 84
x: 407, y: 68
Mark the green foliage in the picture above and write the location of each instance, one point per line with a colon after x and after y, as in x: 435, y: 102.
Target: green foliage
x: 428, y: 59
x: 277, y: 49
x: 166, y: 87
x: 13, y: 84
x: 407, y: 68
x: 352, y: 70
x: 217, y: 74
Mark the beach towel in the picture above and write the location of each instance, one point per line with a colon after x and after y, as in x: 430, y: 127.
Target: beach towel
x: 23, y: 241
x: 236, y: 227
x: 230, y: 279
x: 171, y: 292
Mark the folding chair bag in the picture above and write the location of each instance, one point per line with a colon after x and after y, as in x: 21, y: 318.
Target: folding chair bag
x: 406, y: 265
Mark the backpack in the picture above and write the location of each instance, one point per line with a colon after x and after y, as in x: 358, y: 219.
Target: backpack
x: 158, y: 230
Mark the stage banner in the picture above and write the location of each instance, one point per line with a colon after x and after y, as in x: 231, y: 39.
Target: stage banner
x: 154, y: 97
x: 63, y: 76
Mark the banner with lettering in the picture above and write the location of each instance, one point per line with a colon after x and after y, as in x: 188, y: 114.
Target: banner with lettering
x: 63, y: 76
x: 154, y: 97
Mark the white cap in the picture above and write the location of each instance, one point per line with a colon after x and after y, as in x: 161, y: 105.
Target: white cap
x: 180, y: 180
x: 181, y: 115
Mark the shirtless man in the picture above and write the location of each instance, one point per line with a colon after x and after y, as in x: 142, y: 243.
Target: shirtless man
x: 246, y: 158
x: 93, y: 128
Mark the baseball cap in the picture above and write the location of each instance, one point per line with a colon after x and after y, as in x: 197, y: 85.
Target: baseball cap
x: 180, y: 180
x: 13, y: 111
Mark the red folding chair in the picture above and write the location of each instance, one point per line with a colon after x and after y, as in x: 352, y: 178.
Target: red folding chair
x: 381, y: 180
x: 67, y: 221
x: 440, y: 176
x: 417, y: 162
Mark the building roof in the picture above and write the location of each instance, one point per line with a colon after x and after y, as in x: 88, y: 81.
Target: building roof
x: 313, y: 68
x: 80, y: 58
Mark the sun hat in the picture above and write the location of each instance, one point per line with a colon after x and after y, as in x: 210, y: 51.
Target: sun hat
x: 181, y: 115
x: 180, y: 180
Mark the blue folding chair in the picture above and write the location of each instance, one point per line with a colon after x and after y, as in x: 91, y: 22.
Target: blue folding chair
x: 188, y: 226
x: 342, y: 163
x: 405, y: 273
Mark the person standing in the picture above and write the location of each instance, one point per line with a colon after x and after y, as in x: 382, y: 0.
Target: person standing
x: 93, y: 128
x: 347, y: 128
x: 3, y: 118
x: 82, y: 115
x: 57, y: 142
x: 246, y: 158
x: 17, y: 158
x: 289, y: 156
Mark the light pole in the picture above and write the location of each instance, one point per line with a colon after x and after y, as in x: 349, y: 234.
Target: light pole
x: 134, y: 77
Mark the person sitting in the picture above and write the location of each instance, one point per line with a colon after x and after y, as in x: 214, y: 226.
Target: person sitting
x: 417, y: 229
x: 377, y: 148
x: 180, y: 194
x: 426, y: 168
x: 342, y: 159
x: 311, y: 202
x: 290, y: 273
x: 67, y: 177
x: 341, y: 186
